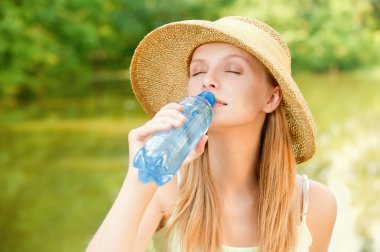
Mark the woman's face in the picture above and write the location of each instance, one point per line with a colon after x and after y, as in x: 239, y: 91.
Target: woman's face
x: 236, y: 78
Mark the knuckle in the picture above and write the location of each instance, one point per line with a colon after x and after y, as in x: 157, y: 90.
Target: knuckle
x: 131, y: 134
x: 172, y: 105
x: 169, y: 105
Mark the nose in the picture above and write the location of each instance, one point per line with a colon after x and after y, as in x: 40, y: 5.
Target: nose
x: 210, y: 82
x: 209, y: 85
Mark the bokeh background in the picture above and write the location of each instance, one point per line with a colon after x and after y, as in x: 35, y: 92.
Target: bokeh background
x: 66, y: 107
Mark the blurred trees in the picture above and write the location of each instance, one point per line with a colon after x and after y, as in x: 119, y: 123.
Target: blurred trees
x: 48, y: 42
x: 323, y: 35
x: 66, y: 44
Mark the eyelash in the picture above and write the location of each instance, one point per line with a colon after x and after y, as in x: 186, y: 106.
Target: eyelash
x: 195, y: 74
x: 233, y: 72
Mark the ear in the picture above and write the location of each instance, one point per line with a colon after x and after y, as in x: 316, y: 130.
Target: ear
x: 273, y: 101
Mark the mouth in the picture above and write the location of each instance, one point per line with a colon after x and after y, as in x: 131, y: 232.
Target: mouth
x: 220, y: 102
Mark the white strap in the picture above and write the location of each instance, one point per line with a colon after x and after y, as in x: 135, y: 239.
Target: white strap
x: 305, y: 201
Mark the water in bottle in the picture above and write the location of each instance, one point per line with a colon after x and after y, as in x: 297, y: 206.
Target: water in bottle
x: 163, y: 154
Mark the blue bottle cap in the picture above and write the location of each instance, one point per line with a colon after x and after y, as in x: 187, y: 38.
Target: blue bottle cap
x: 209, y: 97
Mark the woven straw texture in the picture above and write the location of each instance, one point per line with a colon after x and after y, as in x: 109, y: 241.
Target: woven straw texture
x: 159, y: 68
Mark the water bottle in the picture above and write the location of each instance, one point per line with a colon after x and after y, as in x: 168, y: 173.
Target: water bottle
x: 163, y: 154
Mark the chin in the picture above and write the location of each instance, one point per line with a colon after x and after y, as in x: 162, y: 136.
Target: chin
x: 224, y: 122
x: 218, y: 125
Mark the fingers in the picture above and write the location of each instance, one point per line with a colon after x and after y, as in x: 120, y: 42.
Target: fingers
x: 139, y: 134
x: 172, y: 110
x: 168, y: 117
x: 170, y: 113
x: 173, y: 105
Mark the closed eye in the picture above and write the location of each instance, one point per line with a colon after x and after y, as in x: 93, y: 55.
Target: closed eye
x: 197, y: 73
x: 234, y: 72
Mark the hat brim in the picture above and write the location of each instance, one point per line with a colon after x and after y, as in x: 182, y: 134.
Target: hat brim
x: 159, y: 74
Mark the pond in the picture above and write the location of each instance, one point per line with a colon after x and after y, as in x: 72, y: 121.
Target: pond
x: 62, y: 162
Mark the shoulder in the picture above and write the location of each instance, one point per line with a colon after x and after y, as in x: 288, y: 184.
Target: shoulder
x: 321, y: 215
x: 322, y: 202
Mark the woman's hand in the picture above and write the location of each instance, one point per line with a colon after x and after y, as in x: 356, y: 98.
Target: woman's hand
x: 198, y: 150
x: 118, y: 230
x: 168, y: 117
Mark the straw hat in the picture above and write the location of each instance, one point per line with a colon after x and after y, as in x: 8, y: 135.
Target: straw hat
x: 159, y: 69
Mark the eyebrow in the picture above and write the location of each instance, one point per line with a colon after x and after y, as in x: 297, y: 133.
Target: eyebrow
x: 197, y: 60
x: 235, y: 55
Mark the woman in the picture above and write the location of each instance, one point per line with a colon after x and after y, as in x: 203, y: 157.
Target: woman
x: 238, y: 190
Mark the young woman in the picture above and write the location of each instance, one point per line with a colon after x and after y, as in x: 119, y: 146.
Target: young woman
x: 238, y: 190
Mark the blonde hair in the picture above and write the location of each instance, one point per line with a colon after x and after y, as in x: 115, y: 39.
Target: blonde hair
x: 197, y: 213
x: 277, y: 214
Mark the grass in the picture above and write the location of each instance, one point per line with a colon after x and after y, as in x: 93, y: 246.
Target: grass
x: 62, y: 161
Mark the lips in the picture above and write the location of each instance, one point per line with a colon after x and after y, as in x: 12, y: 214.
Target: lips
x: 220, y: 102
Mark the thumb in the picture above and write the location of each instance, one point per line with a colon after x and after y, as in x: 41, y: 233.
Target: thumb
x: 198, y: 150
x: 200, y: 147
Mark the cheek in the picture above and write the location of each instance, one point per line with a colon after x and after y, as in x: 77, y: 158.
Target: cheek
x: 193, y: 89
x: 250, y: 101
x: 255, y: 93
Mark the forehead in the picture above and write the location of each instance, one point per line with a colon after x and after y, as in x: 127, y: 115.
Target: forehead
x: 225, y: 50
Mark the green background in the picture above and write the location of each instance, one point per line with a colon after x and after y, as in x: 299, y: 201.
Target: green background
x: 66, y: 107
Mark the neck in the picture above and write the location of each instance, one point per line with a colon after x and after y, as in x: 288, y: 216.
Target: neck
x: 233, y: 155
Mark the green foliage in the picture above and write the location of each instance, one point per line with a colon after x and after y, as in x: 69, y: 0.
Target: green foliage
x: 81, y: 43
x: 322, y: 35
x: 73, y: 40
x: 337, y: 38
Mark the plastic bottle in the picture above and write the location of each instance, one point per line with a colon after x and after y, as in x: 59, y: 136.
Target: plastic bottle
x: 163, y: 154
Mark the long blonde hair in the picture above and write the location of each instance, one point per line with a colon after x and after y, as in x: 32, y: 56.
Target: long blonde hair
x: 197, y: 214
